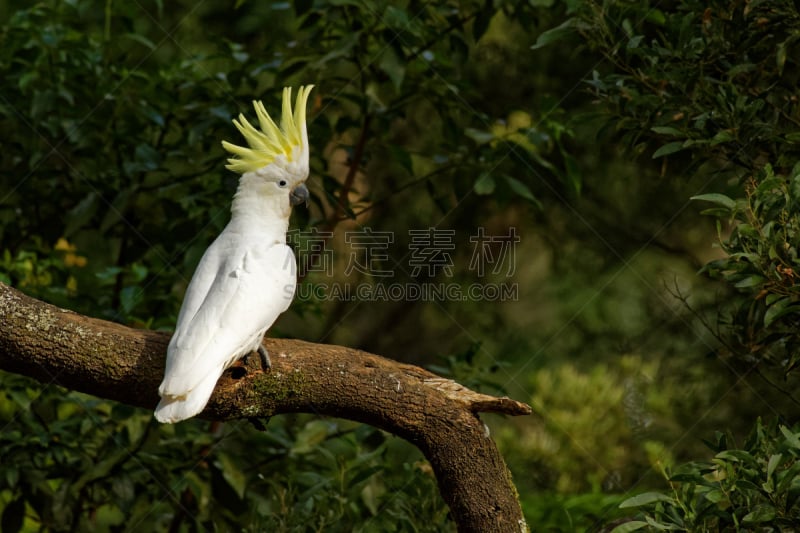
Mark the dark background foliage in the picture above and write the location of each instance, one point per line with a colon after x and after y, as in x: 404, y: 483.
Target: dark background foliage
x: 584, y: 127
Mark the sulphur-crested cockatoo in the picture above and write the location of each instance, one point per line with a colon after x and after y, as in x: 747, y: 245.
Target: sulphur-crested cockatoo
x: 247, y: 277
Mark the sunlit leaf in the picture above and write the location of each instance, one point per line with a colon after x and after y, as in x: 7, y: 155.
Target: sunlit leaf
x: 633, y: 525
x: 761, y: 513
x: 669, y: 148
x: 645, y: 498
x: 484, y: 184
x: 716, y: 198
x: 558, y: 33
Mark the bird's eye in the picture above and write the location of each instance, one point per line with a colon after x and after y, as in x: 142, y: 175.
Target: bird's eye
x: 282, y: 183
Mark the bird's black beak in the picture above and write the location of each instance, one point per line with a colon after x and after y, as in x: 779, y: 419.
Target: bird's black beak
x: 299, y: 195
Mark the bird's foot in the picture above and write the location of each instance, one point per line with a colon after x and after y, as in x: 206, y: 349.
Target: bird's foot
x: 265, y: 362
x: 247, y: 365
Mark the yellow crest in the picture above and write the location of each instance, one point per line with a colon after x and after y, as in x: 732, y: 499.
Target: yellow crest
x: 271, y: 141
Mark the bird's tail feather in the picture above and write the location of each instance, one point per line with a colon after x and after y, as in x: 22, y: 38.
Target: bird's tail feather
x: 173, y: 409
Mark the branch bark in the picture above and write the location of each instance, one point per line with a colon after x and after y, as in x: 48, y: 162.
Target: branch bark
x: 437, y: 415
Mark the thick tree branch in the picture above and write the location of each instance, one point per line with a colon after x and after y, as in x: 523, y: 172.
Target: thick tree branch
x: 435, y: 414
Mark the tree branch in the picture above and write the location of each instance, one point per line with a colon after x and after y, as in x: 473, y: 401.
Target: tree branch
x: 343, y: 205
x: 437, y: 415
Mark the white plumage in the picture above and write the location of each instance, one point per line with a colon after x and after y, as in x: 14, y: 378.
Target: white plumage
x: 247, y: 277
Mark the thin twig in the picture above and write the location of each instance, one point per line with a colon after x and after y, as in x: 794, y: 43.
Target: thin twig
x: 355, y: 163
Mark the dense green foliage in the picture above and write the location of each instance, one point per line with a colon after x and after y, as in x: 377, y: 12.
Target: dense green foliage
x: 632, y: 338
x: 73, y: 463
x: 757, y: 486
x: 711, y: 89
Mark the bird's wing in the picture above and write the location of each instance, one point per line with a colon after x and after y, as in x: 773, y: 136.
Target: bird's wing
x: 252, y: 286
x: 201, y: 281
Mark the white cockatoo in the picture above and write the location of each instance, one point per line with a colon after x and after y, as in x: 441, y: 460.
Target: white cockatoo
x: 247, y: 277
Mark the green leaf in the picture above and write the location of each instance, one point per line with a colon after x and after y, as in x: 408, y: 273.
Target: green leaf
x: 141, y: 39
x: 371, y: 495
x: 771, y: 298
x: 779, y: 309
x: 635, y: 41
x: 117, y: 207
x: 736, y: 456
x: 130, y: 297
x: 479, y: 136
x: 363, y: 473
x: 27, y: 78
x: 232, y: 474
x: 79, y: 216
x: 521, y: 189
x: 108, y: 274
x: 669, y: 148
x: 774, y: 461
x: 662, y: 526
x: 788, y: 477
x: 780, y: 56
x: 633, y: 525
x: 485, y: 184
x: 147, y: 157
x: 668, y: 130
x: 722, y: 137
x: 761, y: 513
x: 109, y: 514
x: 656, y: 16
x: 793, y: 439
x: 153, y: 115
x: 396, y: 18
x: 741, y: 68
x: 645, y: 498
x: 101, y: 469
x: 393, y: 66
x: 314, y: 433
x: 746, y: 230
x: 555, y: 34
x: 138, y: 272
x: 341, y: 49
x: 750, y: 281
x: 401, y: 156
x: 716, y: 198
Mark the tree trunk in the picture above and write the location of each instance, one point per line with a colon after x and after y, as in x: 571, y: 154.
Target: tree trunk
x: 435, y: 414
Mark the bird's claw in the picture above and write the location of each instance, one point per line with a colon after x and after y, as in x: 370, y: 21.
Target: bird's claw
x: 265, y: 362
x: 263, y: 358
